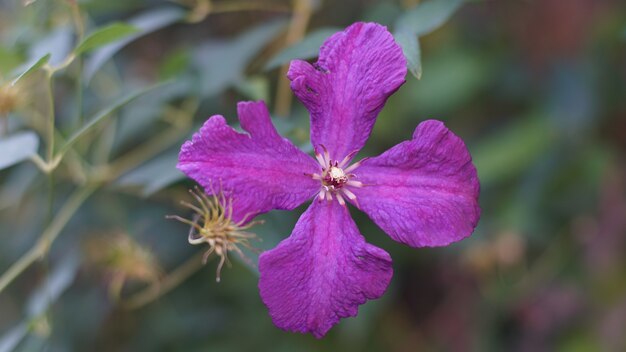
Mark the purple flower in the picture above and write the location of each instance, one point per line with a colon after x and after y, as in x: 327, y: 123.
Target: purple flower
x: 422, y: 192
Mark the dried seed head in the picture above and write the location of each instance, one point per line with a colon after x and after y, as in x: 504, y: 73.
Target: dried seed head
x: 212, y: 224
x: 124, y: 260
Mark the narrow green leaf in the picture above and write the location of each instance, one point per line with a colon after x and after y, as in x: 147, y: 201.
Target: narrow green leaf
x: 17, y: 148
x: 29, y: 68
x: 147, y: 22
x: 104, y: 36
x: 307, y: 48
x: 428, y: 16
x: 411, y: 49
x: 105, y: 113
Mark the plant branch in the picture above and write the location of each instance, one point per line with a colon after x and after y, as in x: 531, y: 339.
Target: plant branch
x: 297, y: 28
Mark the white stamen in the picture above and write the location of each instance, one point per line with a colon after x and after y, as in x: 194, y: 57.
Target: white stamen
x: 326, y: 157
x: 322, y: 194
x: 347, y: 159
x: 320, y: 159
x: 354, y: 183
x: 316, y: 177
x: 355, y: 165
x: 349, y: 194
x: 340, y: 199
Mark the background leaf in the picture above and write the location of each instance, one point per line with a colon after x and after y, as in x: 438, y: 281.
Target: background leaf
x: 17, y: 148
x: 411, y: 49
x: 31, y: 67
x: 105, y: 35
x: 145, y: 23
x: 105, y: 112
x: 307, y: 48
x: 421, y: 20
x: 428, y: 16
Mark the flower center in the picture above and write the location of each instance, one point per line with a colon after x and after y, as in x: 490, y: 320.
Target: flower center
x: 335, y: 177
x: 335, y: 180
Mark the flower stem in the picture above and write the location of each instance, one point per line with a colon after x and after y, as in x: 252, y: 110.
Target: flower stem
x: 297, y: 28
x: 48, y: 236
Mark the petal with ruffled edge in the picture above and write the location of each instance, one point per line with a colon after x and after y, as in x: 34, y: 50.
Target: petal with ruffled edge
x: 422, y: 192
x: 322, y: 272
x: 357, y: 70
x: 260, y: 170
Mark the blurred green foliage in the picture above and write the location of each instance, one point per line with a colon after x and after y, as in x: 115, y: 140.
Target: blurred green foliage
x: 97, y: 97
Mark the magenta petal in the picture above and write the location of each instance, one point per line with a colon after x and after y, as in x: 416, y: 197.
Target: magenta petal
x: 322, y: 272
x: 357, y: 70
x: 422, y: 192
x: 260, y: 170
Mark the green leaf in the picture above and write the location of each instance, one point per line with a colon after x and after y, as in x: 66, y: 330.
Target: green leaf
x: 145, y: 23
x: 307, y: 48
x: 17, y: 148
x: 29, y: 68
x: 428, y: 16
x: 104, y: 36
x: 105, y: 113
x: 411, y: 49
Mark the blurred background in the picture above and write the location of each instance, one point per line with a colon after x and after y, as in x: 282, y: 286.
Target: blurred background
x: 96, y: 98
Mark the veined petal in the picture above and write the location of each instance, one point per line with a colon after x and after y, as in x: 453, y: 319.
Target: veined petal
x: 322, y: 272
x: 260, y: 170
x: 422, y: 192
x: 357, y: 70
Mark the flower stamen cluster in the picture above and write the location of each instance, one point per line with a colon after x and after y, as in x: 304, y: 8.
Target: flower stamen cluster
x: 334, y: 178
x: 212, y: 224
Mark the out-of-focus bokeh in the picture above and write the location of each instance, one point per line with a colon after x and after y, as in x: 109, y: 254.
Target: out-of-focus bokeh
x: 106, y: 92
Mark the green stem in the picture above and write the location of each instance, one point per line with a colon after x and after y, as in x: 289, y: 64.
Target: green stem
x: 48, y: 236
x: 79, y: 92
x: 50, y: 210
x: 51, y: 117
